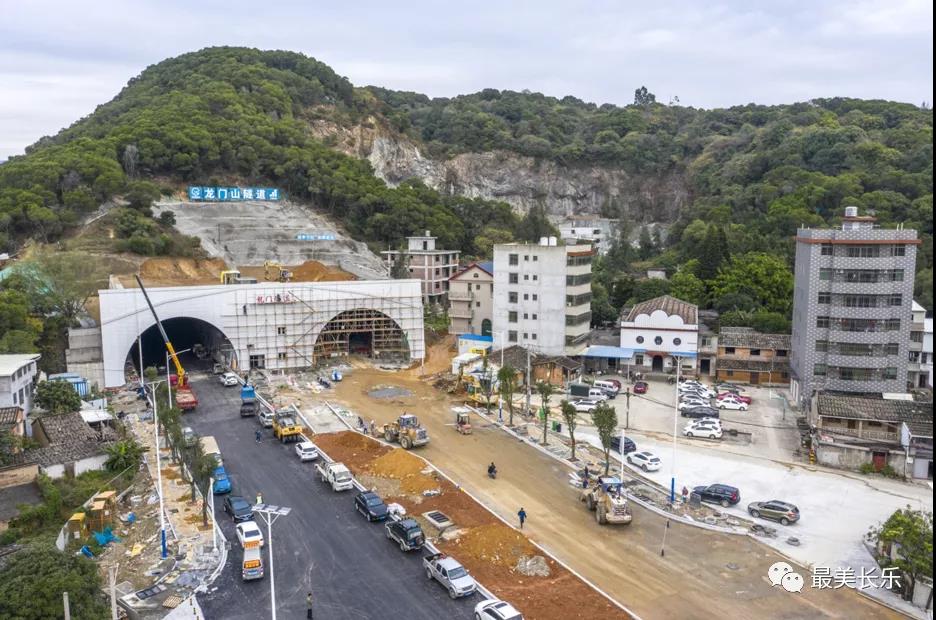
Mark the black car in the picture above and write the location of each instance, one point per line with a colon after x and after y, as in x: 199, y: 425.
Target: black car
x: 700, y: 412
x: 719, y: 494
x: 371, y: 506
x: 629, y: 445
x: 238, y: 508
x: 406, y: 533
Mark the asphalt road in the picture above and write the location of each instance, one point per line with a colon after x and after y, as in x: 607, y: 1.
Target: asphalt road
x: 322, y: 546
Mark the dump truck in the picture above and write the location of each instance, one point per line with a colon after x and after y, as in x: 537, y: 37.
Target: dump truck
x: 185, y: 398
x: 248, y: 401
x: 286, y: 426
x: 337, y: 475
x: 407, y: 431
x: 606, y: 497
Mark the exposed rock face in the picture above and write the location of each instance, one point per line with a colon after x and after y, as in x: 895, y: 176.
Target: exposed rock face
x: 518, y: 180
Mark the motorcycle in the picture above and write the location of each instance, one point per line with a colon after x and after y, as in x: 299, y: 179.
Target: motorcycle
x: 492, y: 473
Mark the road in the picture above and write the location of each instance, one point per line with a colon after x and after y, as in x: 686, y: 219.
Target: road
x: 322, y: 546
x: 703, y: 574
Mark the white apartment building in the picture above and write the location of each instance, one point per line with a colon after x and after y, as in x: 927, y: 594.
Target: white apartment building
x: 542, y: 296
x: 660, y: 330
x: 926, y: 361
x: 17, y: 378
x: 599, y: 232
x: 920, y: 366
x: 471, y: 300
x: 434, y: 267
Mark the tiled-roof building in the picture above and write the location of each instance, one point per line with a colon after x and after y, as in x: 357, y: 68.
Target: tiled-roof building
x: 69, y: 445
x: 660, y: 331
x: 747, y: 356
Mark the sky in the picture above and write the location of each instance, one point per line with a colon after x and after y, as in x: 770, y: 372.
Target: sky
x: 58, y: 60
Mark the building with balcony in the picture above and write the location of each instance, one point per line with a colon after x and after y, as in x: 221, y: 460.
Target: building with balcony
x: 598, y: 232
x: 471, y: 300
x: 542, y: 296
x: 747, y: 356
x: 17, y: 382
x: 661, y: 331
x: 851, y: 431
x: 919, y: 360
x: 852, y: 301
x: 424, y: 262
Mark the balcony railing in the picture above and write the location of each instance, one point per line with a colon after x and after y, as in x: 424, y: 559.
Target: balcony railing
x: 460, y: 296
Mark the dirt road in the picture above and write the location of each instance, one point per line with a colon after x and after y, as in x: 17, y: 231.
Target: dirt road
x: 702, y: 575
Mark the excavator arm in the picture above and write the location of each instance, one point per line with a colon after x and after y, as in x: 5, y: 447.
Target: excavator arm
x: 180, y: 372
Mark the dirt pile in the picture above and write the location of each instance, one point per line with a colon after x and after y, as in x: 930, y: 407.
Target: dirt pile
x: 399, y: 464
x: 309, y: 271
x: 494, y: 543
x: 177, y: 272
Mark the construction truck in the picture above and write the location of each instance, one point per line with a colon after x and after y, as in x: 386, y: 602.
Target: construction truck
x: 248, y: 401
x: 606, y: 497
x: 407, y: 431
x: 275, y: 272
x: 233, y: 276
x: 463, y: 423
x: 286, y: 426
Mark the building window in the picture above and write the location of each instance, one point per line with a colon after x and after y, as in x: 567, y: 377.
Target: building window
x: 755, y: 352
x: 822, y: 346
x: 511, y: 317
x: 477, y: 304
x: 826, y: 249
x: 535, y: 296
x: 280, y: 331
x: 526, y: 296
x: 916, y: 336
x: 534, y: 316
x: 474, y: 275
x: 534, y: 335
x: 825, y: 298
x: 281, y: 356
x: 729, y: 350
x: 658, y: 340
x: 895, y: 300
x: 477, y: 287
x: 819, y: 370
x: 640, y: 339
x: 512, y: 297
x: 730, y: 373
x: 898, y: 250
x: 890, y: 373
x: 526, y: 257
x: 535, y: 258
x: 526, y: 276
x: 825, y: 274
x: 513, y: 259
x: 258, y: 361
x: 677, y: 341
x: 526, y: 316
x: 535, y: 277
x: 638, y: 360
x: 513, y: 278
x: 862, y: 251
x: 781, y: 353
x: 512, y: 336
x: 822, y: 322
x: 892, y: 325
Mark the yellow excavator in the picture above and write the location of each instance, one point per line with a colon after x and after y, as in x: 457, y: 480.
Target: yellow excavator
x: 275, y: 272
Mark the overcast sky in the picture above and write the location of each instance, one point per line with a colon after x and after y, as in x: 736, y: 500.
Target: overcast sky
x: 58, y: 59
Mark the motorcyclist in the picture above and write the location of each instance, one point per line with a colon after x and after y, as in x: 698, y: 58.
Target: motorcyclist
x: 492, y: 469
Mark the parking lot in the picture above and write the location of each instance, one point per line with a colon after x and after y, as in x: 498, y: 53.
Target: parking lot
x: 322, y: 546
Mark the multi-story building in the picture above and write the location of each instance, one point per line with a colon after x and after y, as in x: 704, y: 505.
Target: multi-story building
x: 926, y: 359
x: 542, y: 296
x: 434, y: 267
x: 661, y: 331
x: 17, y: 379
x: 599, y: 232
x: 852, y: 308
x: 747, y: 356
x: 471, y: 300
x: 917, y: 372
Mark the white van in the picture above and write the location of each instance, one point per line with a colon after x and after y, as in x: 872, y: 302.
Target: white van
x: 597, y: 394
x: 210, y: 448
x: 607, y: 386
x: 252, y: 564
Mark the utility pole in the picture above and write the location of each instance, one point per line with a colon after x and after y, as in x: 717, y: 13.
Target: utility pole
x: 675, y: 422
x: 627, y: 395
x: 65, y: 605
x: 529, y: 380
x: 112, y: 574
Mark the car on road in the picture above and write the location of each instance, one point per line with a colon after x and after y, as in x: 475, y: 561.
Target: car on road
x: 629, y: 445
x: 700, y: 412
x: 406, y: 533
x: 306, y: 451
x: 734, y: 396
x: 784, y: 512
x: 265, y: 418
x: 730, y: 403
x: 585, y: 405
x: 494, y: 609
x: 222, y: 484
x: 370, y: 505
x: 189, y: 436
x: 616, y: 383
x: 238, y: 508
x: 450, y: 573
x: 248, y: 532
x: 229, y: 379
x: 700, y: 390
x: 641, y: 387
x: 645, y: 460
x: 708, y: 431
x: 721, y: 494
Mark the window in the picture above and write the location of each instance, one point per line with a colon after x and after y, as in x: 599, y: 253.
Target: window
x: 892, y: 325
x: 512, y: 297
x: 730, y: 373
x: 895, y: 300
x: 526, y: 276
x: 525, y: 316
x: 825, y: 274
x: 477, y: 287
x: 860, y: 301
x: 826, y: 249
x: 819, y: 370
x: 822, y: 346
x: 658, y: 340
x: 822, y: 322
x: 729, y: 350
x: 512, y: 317
x: 526, y: 296
x: 535, y: 277
x: 258, y: 361
x: 281, y: 356
x: 477, y: 304
x: 916, y: 336
x: 862, y: 251
x: 526, y: 257
x: 535, y: 258
x: 584, y: 278
x: 898, y: 250
x: 513, y: 259
x: 512, y: 336
x: 526, y: 336
x: 677, y: 341
x: 280, y: 331
x: 535, y: 296
x: 755, y: 352
x: 513, y: 278
x: 534, y: 316
x: 585, y: 317
x: 534, y: 335
x: 825, y: 298
x: 475, y: 275
x: 781, y: 353
x: 640, y: 339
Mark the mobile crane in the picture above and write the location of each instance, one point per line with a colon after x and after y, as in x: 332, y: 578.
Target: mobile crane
x: 184, y: 396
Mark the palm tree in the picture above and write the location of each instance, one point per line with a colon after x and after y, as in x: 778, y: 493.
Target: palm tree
x: 545, y: 390
x: 507, y: 377
x: 123, y: 454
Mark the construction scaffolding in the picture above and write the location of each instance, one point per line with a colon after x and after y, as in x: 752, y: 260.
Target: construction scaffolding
x: 362, y: 331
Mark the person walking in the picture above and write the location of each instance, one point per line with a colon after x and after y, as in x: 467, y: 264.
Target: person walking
x: 522, y: 516
x: 259, y: 498
x: 309, y: 606
x: 258, y: 435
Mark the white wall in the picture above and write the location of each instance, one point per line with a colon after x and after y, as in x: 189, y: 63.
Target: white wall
x: 660, y: 325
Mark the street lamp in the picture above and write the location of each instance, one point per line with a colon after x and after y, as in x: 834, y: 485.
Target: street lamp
x: 168, y: 380
x: 162, y: 519
x: 270, y: 514
x: 675, y: 426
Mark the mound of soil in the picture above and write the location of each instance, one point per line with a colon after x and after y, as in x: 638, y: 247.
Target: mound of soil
x: 178, y: 272
x: 494, y: 543
x: 399, y: 464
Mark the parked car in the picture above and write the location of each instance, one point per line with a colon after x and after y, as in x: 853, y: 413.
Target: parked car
x: 641, y: 387
x: 238, y: 508
x: 451, y: 574
x: 734, y: 396
x: 249, y: 531
x: 629, y: 445
x: 494, y: 609
x: 229, y: 379
x: 407, y: 534
x: 585, y: 405
x: 776, y: 510
x: 645, y: 460
x: 265, y: 418
x: 707, y: 431
x: 729, y: 387
x: 616, y: 383
x: 306, y: 451
x: 719, y: 494
x: 189, y: 436
x: 370, y: 505
x: 731, y: 403
x: 222, y: 484
x: 691, y: 403
x: 700, y: 412
x: 702, y: 392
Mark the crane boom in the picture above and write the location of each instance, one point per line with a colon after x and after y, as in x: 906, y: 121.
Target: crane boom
x: 180, y: 372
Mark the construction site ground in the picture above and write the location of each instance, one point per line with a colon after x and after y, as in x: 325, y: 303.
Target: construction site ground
x: 703, y: 574
x: 168, y: 271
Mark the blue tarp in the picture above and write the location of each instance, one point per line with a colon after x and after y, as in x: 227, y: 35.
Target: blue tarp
x: 611, y: 352
x: 476, y: 337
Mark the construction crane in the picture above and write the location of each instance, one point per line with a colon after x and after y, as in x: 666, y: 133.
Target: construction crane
x: 180, y: 372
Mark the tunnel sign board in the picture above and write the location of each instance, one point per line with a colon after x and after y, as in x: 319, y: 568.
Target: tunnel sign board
x: 316, y: 237
x: 201, y: 193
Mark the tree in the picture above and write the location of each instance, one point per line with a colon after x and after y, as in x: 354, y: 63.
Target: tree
x: 507, y: 380
x: 569, y: 416
x: 8, y: 442
x: 399, y: 270
x: 57, y: 397
x: 167, y: 218
x: 643, y: 97
x: 646, y: 248
x: 123, y: 454
x: 911, y: 531
x: 141, y: 194
x: 604, y: 417
x: 765, y: 278
x: 63, y: 281
x: 686, y: 286
x: 487, y: 383
x: 649, y: 288
x: 32, y: 582
x: 545, y: 390
x: 535, y: 225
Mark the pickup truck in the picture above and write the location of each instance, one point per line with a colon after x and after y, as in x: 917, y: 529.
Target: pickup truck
x: 451, y: 574
x: 185, y: 398
x: 406, y: 533
x: 337, y: 475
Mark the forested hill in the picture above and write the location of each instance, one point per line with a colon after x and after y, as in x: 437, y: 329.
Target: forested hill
x: 753, y: 173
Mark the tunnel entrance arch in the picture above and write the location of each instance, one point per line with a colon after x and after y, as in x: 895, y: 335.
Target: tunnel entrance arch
x: 362, y: 331
x: 199, y: 343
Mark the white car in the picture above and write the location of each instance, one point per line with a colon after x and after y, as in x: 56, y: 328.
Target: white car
x: 585, y: 405
x: 494, y: 609
x: 306, y: 451
x: 229, y: 379
x: 249, y: 531
x: 730, y: 403
x: 709, y: 431
x: 701, y: 392
x: 645, y: 460
x: 692, y: 403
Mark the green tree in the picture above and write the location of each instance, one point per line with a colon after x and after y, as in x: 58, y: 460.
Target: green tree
x: 123, y: 454
x: 912, y: 532
x: 8, y: 443
x: 32, y: 582
x: 507, y: 382
x: 646, y: 247
x: 765, y: 278
x: 63, y: 281
x: 545, y: 391
x: 141, y: 194
x: 569, y: 415
x: 649, y: 288
x: 57, y: 397
x: 604, y: 417
x: 400, y: 268
x: 686, y: 286
x: 535, y: 225
x: 643, y: 97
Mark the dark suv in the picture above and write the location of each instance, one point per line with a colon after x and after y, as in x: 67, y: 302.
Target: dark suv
x: 700, y: 412
x: 371, y: 506
x: 629, y: 445
x: 719, y: 494
x: 238, y: 508
x: 406, y: 533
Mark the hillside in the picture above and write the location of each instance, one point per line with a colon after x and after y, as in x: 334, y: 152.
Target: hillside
x: 754, y: 173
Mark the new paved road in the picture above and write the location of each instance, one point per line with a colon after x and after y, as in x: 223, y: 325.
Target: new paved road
x: 323, y: 545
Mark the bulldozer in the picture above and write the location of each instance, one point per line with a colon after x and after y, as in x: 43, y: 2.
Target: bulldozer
x: 285, y: 426
x: 407, y: 431
x: 275, y: 272
x: 606, y: 497
x: 463, y: 423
